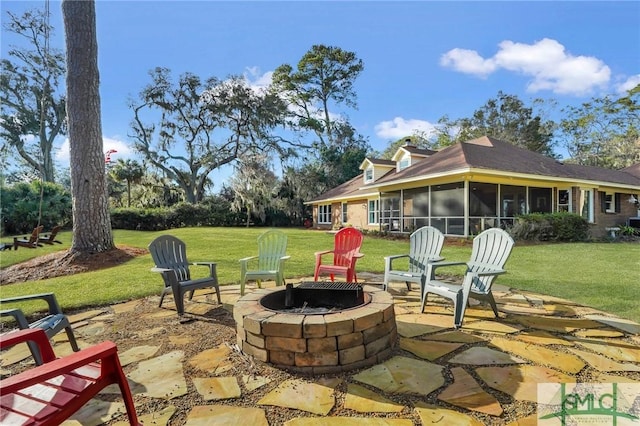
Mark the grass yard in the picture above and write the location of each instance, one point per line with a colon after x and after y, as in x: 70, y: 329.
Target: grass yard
x: 605, y: 276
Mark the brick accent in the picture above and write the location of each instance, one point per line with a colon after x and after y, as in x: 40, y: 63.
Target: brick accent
x: 283, y: 325
x: 377, y: 346
x: 351, y: 355
x: 253, y: 323
x: 350, y: 340
x: 316, y: 359
x: 282, y: 357
x: 314, y: 326
x: 368, y: 318
x: 323, y: 344
x: 376, y: 332
x: 286, y: 344
x: 338, y: 324
x: 259, y: 354
x: 256, y: 340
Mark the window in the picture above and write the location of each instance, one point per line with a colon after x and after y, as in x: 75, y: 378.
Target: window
x: 324, y: 213
x: 483, y: 199
x: 610, y: 202
x: 586, y: 204
x: 373, y: 211
x: 368, y: 175
x: 564, y: 200
x: 345, y: 217
x: 404, y: 162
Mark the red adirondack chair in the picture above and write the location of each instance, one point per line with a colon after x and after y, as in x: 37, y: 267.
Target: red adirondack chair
x: 346, y: 252
x: 49, y: 394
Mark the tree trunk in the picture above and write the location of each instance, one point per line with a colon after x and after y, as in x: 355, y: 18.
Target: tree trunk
x: 91, y: 220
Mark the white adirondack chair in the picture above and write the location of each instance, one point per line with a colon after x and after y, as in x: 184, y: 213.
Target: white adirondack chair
x: 424, y: 247
x: 491, y: 249
x: 269, y: 263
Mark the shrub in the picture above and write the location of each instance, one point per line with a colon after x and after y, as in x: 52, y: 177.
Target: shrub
x: 550, y: 227
x: 22, y: 207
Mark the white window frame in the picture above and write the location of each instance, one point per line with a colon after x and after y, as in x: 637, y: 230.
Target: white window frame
x: 368, y: 174
x: 586, y: 197
x: 568, y: 204
x: 373, y: 211
x: 324, y: 213
x: 610, y: 202
x: 404, y: 162
x: 345, y: 216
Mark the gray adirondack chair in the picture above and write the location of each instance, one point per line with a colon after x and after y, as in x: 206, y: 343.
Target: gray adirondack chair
x: 491, y: 249
x: 170, y: 256
x: 53, y: 323
x: 425, y: 245
x: 269, y: 263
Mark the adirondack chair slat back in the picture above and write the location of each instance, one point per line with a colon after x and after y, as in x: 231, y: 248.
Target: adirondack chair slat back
x: 169, y: 252
x: 272, y: 246
x: 35, y: 234
x: 347, y: 243
x: 424, y: 244
x: 491, y: 249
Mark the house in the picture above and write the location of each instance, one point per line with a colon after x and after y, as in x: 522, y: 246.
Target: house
x: 474, y: 185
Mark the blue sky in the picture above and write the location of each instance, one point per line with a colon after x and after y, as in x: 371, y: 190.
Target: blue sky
x: 422, y: 59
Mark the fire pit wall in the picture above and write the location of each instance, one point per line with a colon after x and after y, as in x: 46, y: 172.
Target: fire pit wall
x: 320, y: 343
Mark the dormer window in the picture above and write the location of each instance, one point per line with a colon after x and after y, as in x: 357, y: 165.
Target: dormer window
x: 368, y: 175
x: 404, y: 162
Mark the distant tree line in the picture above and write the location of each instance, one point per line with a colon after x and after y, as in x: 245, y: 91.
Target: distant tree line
x: 287, y: 142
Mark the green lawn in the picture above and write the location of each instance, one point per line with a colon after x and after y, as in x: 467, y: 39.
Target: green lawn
x: 605, y: 276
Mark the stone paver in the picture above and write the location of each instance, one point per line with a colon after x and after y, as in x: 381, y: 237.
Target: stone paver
x: 95, y: 413
x: 465, y: 392
x: 521, y: 381
x: 434, y: 415
x: 602, y: 363
x: 413, y: 325
x: 254, y: 382
x: 618, y: 323
x: 492, y: 327
x: 301, y: 395
x: 363, y: 400
x: 455, y: 336
x: 216, y: 388
x: 611, y: 348
x: 206, y: 415
x: 403, y: 375
x: 137, y: 354
x: 540, y: 337
x: 560, y: 360
x: 485, y: 356
x: 428, y: 350
x: 159, y: 418
x: 160, y: 377
x: 215, y: 360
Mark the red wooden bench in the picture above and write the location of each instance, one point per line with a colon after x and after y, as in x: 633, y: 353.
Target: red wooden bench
x: 50, y: 393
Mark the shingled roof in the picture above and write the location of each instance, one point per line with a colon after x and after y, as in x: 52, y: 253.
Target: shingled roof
x: 490, y: 154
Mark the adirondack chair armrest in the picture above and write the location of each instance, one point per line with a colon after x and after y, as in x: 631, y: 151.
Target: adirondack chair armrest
x: 17, y: 315
x: 436, y: 259
x: 488, y: 272
x: 50, y: 298
x: 247, y: 259
x: 36, y: 335
x: 319, y: 254
x: 388, y: 260
x: 283, y: 258
x: 211, y: 265
x: 432, y: 266
x: 161, y: 270
x: 358, y: 255
x: 105, y: 351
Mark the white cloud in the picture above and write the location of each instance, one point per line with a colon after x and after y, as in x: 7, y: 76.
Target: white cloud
x: 628, y: 84
x: 122, y: 150
x: 399, y: 127
x: 256, y: 80
x: 468, y: 62
x: 546, y: 62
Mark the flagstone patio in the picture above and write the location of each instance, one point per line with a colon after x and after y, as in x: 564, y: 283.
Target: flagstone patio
x: 193, y: 373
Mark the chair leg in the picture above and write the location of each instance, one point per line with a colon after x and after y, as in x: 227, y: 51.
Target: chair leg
x: 408, y: 285
x: 178, y: 298
x: 458, y: 308
x: 492, y: 302
x: 72, y: 338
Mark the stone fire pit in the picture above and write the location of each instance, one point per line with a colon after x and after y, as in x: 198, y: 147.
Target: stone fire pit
x: 312, y: 340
